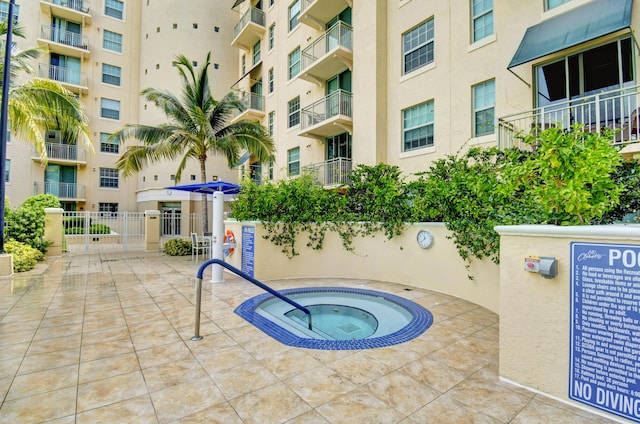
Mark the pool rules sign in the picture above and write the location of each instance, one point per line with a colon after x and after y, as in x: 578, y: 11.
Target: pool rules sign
x: 605, y: 327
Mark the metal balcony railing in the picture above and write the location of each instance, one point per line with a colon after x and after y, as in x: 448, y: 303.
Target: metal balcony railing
x: 616, y: 110
x: 252, y: 100
x: 60, y: 190
x: 60, y: 151
x: 62, y: 74
x: 331, y: 172
x: 337, y: 103
x: 252, y: 15
x: 58, y: 35
x: 339, y: 34
x: 77, y: 5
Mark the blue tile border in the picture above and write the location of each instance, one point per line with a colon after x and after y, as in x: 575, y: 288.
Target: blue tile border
x: 421, y: 321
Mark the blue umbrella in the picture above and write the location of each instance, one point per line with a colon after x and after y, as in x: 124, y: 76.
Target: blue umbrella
x: 210, y: 187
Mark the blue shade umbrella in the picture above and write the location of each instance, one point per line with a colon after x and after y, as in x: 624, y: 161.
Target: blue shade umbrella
x: 210, y: 187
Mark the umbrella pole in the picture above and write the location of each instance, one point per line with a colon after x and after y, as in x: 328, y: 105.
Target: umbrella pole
x: 217, y: 236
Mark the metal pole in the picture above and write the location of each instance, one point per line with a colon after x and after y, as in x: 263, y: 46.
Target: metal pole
x: 197, y: 335
x: 3, y: 118
x: 217, y: 236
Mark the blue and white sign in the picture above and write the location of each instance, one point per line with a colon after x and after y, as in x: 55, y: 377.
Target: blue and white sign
x: 605, y: 327
x: 248, y: 249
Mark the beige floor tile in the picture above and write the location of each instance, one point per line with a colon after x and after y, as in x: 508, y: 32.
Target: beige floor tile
x: 105, y: 335
x: 163, y: 354
x: 319, y: 385
x: 38, y: 347
x: 290, y: 362
x: 446, y: 410
x: 434, y: 373
x: 272, y: 404
x: 173, y: 373
x: 218, y: 360
x: 243, y: 379
x: 402, y: 392
x: 9, y: 367
x: 134, y: 410
x: 108, y: 367
x: 359, y: 406
x: 183, y: 400
x: 105, y: 324
x: 100, y: 350
x: 51, y: 405
x: 110, y: 390
x: 217, y: 414
x: 311, y: 417
x: 43, y: 381
x: 146, y: 341
x: 360, y: 368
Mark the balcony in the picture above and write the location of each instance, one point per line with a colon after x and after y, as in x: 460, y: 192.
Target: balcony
x: 63, y: 42
x: 72, y: 80
x: 329, y: 55
x: 316, y: 13
x: 64, y: 191
x: 615, y: 109
x: 62, y: 153
x: 333, y: 172
x: 249, y: 30
x: 254, y: 107
x: 73, y: 10
x: 328, y: 116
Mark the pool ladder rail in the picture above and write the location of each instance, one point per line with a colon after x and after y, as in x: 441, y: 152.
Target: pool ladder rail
x: 247, y: 277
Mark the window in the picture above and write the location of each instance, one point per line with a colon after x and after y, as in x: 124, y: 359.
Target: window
x: 109, y: 178
x: 256, y: 52
x: 271, y: 119
x: 108, y: 209
x: 243, y: 64
x: 293, y: 161
x: 7, y: 169
x: 112, y: 41
x: 550, y: 4
x: 482, y: 16
x: 294, y: 13
x: 484, y: 101
x: 109, y: 108
x: 271, y: 83
x: 109, y: 146
x: 255, y: 172
x: 417, y: 46
x: 272, y: 2
x: 271, y: 169
x: 272, y: 36
x: 4, y: 12
x: 294, y: 112
x: 417, y: 126
x: 111, y: 74
x: 113, y: 8
x: 294, y: 62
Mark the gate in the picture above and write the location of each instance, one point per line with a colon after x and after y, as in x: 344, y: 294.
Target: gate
x: 104, y: 231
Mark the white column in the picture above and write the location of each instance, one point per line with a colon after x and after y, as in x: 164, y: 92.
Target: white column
x: 217, y: 236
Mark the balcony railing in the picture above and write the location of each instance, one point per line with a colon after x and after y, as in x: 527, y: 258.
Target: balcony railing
x: 60, y: 36
x: 252, y: 18
x: 616, y: 110
x: 337, y: 103
x: 77, y: 5
x: 62, y: 74
x: 336, y: 36
x: 60, y: 190
x: 252, y: 101
x: 331, y: 172
x: 63, y: 152
x: 316, y: 13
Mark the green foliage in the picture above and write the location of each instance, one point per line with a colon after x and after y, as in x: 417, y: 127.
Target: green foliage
x: 177, y: 247
x: 25, y: 224
x: 73, y: 222
x: 25, y: 257
x: 74, y: 230
x: 99, y: 229
x: 627, y: 177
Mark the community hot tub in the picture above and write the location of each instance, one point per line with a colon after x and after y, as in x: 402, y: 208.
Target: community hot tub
x: 342, y: 318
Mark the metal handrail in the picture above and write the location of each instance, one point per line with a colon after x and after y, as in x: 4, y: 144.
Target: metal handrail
x: 247, y: 277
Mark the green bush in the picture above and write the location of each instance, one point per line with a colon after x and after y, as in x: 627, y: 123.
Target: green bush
x: 24, y: 257
x: 26, y: 223
x: 177, y: 247
x: 74, y: 230
x: 99, y: 229
x: 73, y: 222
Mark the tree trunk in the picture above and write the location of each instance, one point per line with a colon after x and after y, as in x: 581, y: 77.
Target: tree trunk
x: 205, y: 202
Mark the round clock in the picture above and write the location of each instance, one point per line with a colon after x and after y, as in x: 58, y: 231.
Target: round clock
x: 425, y: 239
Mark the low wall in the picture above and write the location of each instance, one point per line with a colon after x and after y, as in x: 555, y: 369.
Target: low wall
x: 398, y: 260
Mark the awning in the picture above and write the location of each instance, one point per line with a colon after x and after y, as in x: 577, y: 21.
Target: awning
x: 593, y: 20
x: 253, y: 68
x: 238, y: 2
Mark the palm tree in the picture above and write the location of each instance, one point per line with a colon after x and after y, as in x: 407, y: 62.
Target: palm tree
x: 39, y: 105
x: 196, y: 128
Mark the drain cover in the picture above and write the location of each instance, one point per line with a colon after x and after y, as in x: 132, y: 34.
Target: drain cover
x: 348, y: 328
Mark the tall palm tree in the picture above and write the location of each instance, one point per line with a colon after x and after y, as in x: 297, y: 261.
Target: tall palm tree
x: 39, y: 105
x: 197, y: 127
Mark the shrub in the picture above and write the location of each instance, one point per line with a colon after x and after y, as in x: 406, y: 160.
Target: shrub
x: 74, y: 230
x: 177, y: 247
x: 73, y: 222
x: 99, y: 229
x: 24, y: 257
x: 26, y: 223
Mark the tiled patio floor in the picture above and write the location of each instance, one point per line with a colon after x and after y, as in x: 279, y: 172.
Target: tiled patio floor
x: 107, y: 338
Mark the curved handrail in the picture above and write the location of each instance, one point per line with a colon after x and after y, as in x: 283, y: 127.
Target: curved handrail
x: 247, y: 277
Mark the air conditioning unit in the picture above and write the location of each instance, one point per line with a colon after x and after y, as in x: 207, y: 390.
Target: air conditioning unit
x: 53, y: 136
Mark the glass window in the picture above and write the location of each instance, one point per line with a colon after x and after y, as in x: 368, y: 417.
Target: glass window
x: 294, y: 62
x: 272, y: 36
x: 109, y: 108
x: 550, y: 4
x: 7, y: 169
x: 293, y: 161
x: 417, y: 126
x: 271, y: 169
x: 271, y: 82
x: 417, y: 46
x: 112, y: 41
x: 114, y: 8
x: 111, y: 74
x: 271, y: 118
x: 294, y: 14
x: 294, y: 112
x: 4, y: 11
x: 243, y: 64
x: 108, y: 146
x: 484, y: 101
x: 482, y: 17
x: 109, y: 178
x: 108, y: 209
x: 256, y: 52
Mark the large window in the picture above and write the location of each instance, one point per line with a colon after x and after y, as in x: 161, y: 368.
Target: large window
x: 109, y: 108
x: 111, y: 74
x: 4, y: 12
x: 112, y: 41
x: 114, y: 8
x: 294, y: 14
x: 109, y: 178
x: 271, y: 80
x: 550, y: 4
x: 272, y: 36
x: 7, y: 169
x: 294, y: 112
x: 482, y: 19
x: 108, y: 210
x: 293, y: 161
x: 294, y: 62
x: 417, y: 46
x: 109, y: 146
x: 484, y: 100
x: 256, y: 52
x: 271, y: 118
x: 417, y: 126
